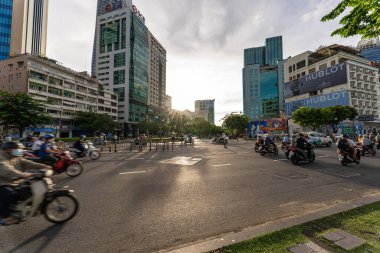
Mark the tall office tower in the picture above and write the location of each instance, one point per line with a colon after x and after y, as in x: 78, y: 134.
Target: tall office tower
x: 29, y: 27
x: 263, y: 80
x: 121, y: 60
x: 157, y: 80
x: 5, y: 28
x: 207, y: 108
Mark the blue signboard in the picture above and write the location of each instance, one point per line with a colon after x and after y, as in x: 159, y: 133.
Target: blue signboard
x: 321, y: 101
x: 46, y: 130
x: 322, y: 79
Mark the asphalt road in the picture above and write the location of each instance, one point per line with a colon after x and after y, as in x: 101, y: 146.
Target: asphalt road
x: 145, y: 202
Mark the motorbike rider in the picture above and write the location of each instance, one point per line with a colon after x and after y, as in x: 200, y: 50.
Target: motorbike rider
x: 367, y: 143
x: 46, y: 152
x: 79, y: 144
x: 304, y: 145
x: 37, y: 145
x: 12, y: 165
x: 348, y: 145
x: 286, y: 139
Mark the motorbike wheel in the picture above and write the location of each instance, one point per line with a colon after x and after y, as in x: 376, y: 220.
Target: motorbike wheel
x: 312, y: 159
x: 95, y: 155
x: 275, y: 151
x: 373, y: 152
x: 74, y: 170
x: 344, y: 163
x: 294, y: 159
x: 262, y: 152
x: 62, y: 208
x: 257, y: 149
x: 287, y: 155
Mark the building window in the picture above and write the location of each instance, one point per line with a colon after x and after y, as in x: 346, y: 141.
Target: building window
x: 119, y: 77
x: 290, y: 69
x: 121, y: 93
x: 333, y: 63
x: 312, y: 70
x: 301, y: 64
x: 323, y: 66
x: 119, y: 60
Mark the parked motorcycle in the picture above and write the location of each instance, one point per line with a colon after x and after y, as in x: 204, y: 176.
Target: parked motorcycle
x: 345, y: 158
x: 298, y: 155
x: 89, y: 150
x: 269, y: 149
x: 65, y: 163
x: 36, y: 196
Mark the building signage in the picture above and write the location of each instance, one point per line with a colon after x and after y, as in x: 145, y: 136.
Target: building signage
x: 267, y: 126
x: 113, y: 5
x: 138, y: 13
x: 321, y: 101
x: 329, y: 77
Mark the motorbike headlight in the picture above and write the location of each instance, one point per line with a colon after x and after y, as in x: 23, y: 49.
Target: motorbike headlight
x: 49, y: 173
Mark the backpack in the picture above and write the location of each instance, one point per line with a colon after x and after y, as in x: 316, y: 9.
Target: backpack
x: 342, y: 144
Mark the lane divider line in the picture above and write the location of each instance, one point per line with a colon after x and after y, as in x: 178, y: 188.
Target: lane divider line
x: 221, y: 165
x: 135, y: 172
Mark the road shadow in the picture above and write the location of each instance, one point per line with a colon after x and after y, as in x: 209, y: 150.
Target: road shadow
x: 48, y: 234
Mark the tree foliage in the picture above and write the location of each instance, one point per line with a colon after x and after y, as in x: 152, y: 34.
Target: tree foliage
x: 235, y: 124
x: 21, y: 111
x: 363, y: 18
x: 95, y: 122
x: 315, y: 118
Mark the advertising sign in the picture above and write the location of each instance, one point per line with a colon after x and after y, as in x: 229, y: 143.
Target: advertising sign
x: 329, y: 77
x: 111, y: 5
x: 267, y: 126
x: 321, y: 101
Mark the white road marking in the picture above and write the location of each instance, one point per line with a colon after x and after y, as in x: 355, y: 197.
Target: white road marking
x: 130, y: 159
x: 222, y: 165
x: 135, y: 172
x: 280, y: 160
x: 182, y: 160
x: 323, y: 156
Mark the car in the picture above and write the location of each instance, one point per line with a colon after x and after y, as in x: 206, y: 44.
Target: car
x: 319, y: 139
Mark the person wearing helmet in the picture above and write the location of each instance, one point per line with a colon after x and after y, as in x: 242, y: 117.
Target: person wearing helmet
x: 303, y: 144
x: 79, y: 145
x: 12, y: 166
x: 286, y: 139
x: 37, y: 145
x: 367, y: 143
x: 46, y: 152
x: 347, y: 145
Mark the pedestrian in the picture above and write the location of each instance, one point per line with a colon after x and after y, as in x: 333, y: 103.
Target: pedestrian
x: 378, y: 140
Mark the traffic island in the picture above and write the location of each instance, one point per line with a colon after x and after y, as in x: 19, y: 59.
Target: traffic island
x: 356, y: 230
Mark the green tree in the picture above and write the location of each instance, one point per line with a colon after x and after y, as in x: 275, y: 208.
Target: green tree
x: 235, y: 123
x: 21, y: 111
x: 363, y: 18
x: 315, y: 118
x: 93, y: 122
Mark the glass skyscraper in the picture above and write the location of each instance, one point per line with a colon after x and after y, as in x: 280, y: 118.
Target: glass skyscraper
x: 370, y: 49
x: 263, y: 80
x: 5, y: 28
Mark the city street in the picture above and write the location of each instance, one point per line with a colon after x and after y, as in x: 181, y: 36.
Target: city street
x: 146, y: 202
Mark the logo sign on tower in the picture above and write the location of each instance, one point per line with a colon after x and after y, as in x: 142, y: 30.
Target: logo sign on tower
x: 113, y: 5
x: 138, y: 13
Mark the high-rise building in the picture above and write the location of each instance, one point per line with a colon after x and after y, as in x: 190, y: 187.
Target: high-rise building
x: 207, y: 108
x: 370, y: 49
x: 29, y: 27
x: 263, y: 80
x: 5, y: 28
x: 157, y: 80
x: 122, y: 61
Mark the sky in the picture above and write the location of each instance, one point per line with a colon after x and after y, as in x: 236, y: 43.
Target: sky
x: 204, y: 39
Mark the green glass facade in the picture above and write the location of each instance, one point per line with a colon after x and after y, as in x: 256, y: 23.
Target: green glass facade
x: 138, y: 72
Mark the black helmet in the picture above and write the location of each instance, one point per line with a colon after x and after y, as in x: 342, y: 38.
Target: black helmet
x: 346, y: 136
x: 13, y: 145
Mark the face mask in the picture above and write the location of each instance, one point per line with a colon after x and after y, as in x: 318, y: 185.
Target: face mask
x: 16, y: 152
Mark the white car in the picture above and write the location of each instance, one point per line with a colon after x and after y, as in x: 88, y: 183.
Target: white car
x: 319, y: 139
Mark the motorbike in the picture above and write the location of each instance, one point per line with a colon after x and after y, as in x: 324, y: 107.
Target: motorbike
x: 345, y: 158
x: 258, y: 145
x: 89, y: 150
x: 37, y: 196
x: 287, y: 148
x: 65, y: 163
x: 188, y: 140
x: 269, y: 149
x: 367, y: 150
x: 220, y: 140
x: 298, y: 155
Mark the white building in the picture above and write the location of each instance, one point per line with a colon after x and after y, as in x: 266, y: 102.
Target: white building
x: 343, y: 79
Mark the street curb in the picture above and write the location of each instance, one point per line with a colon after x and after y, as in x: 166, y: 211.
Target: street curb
x: 228, y: 239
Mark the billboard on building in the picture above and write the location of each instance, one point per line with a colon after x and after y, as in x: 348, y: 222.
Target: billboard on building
x: 321, y: 101
x: 326, y: 78
x: 267, y: 126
